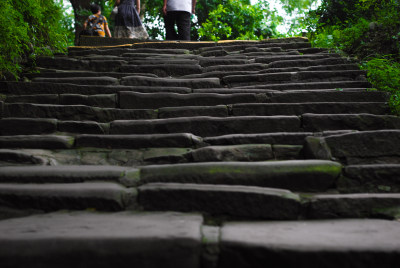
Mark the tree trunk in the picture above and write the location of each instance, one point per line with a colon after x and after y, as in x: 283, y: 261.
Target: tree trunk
x: 78, y: 5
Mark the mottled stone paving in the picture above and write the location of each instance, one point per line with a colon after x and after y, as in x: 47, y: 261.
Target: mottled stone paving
x: 198, y: 154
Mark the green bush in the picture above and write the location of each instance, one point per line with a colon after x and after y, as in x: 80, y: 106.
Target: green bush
x: 384, y: 74
x: 29, y: 28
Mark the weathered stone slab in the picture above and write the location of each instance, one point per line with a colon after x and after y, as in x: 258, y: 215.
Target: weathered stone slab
x: 61, y: 174
x: 247, y: 152
x: 10, y: 157
x: 75, y: 112
x: 308, y: 62
x: 341, y: 67
x: 101, y: 81
x: 164, y: 70
x: 236, y: 67
x: 221, y: 200
x: 107, y: 196
x: 287, y: 152
x: 106, y: 65
x: 207, y: 62
x: 378, y: 174
x: 245, y: 80
x: 87, y: 127
x: 20, y: 126
x: 50, y: 73
x: 134, y: 100
x: 161, y: 51
x: 318, y: 122
x: 137, y: 141
x: 101, y: 100
x: 309, y: 175
x: 313, y: 85
x: 153, y: 59
x: 269, y: 59
x: 39, y: 99
x: 1, y: 109
x: 114, y: 239
x: 335, y: 243
x: 353, y: 205
x: 328, y: 96
x: 63, y: 63
x: 295, y: 138
x: 247, y: 109
x: 232, y: 91
x: 218, y: 74
x: 37, y: 141
x: 171, y: 82
x: 194, y: 111
x: 208, y: 126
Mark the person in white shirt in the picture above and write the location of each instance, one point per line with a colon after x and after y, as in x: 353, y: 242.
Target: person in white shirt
x: 178, y: 12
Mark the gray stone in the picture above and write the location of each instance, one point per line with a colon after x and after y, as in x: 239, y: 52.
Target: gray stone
x: 317, y: 122
x: 1, y: 109
x: 307, y: 62
x: 107, y: 196
x: 87, y: 127
x: 164, y: 70
x: 287, y: 152
x: 234, y: 201
x: 194, y: 111
x: 245, y: 80
x: 309, y: 175
x: 288, y: 138
x: 106, y: 65
x: 313, y: 85
x: 171, y: 82
x: 353, y: 205
x: 101, y: 81
x: 340, y: 243
x: 281, y: 58
x: 27, y: 126
x: 39, y: 99
x: 247, y: 109
x: 83, y: 239
x: 246, y: 152
x: 134, y: 100
x: 137, y: 141
x: 207, y: 62
x: 37, y: 141
x: 19, y: 157
x: 208, y: 126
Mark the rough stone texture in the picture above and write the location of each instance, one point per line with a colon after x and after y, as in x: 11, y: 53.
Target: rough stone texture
x: 104, y: 100
x: 133, y: 100
x: 37, y: 141
x: 1, y: 109
x: 75, y: 112
x: 194, y: 111
x: 247, y: 152
x: 171, y: 82
x: 87, y: 127
x: 101, y: 240
x: 234, y: 201
x: 9, y: 157
x: 341, y: 243
x: 27, y: 126
x: 137, y: 141
x: 101, y: 81
x: 296, y: 138
x: 106, y: 196
x: 208, y: 126
x: 316, y: 108
x: 164, y: 70
x: 311, y: 175
x: 287, y: 152
x: 39, y: 99
x: 317, y: 122
x: 353, y: 206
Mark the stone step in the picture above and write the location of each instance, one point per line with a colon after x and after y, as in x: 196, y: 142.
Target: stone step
x: 75, y: 112
x: 345, y: 95
x: 334, y: 243
x: 322, y: 122
x: 100, y: 81
x: 100, y: 100
x: 208, y: 126
x: 70, y: 74
x: 236, y: 67
x: 294, y: 175
x: 221, y: 200
x: 106, y: 196
x: 294, y: 77
x: 163, y: 70
x: 307, y: 61
x: 380, y: 177
x: 354, y: 206
x: 265, y: 109
x: 312, y: 68
x: 28, y: 88
x: 161, y: 60
x: 171, y: 82
x: 339, y: 85
x: 287, y: 138
x: 146, y: 239
x: 357, y: 148
x: 218, y: 74
x: 37, y: 141
x: 280, y: 58
x: 133, y: 100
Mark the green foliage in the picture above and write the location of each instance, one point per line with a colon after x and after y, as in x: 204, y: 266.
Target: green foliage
x: 237, y: 20
x: 29, y: 28
x: 384, y: 74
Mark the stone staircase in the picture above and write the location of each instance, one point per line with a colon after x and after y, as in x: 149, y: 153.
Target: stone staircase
x: 198, y: 154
